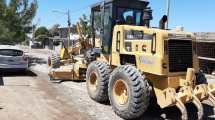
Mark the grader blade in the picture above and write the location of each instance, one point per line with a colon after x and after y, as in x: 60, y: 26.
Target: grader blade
x: 211, y: 93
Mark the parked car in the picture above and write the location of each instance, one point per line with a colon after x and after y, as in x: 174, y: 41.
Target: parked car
x: 12, y: 57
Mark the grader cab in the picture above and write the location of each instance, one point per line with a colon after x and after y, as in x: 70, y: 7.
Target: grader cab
x: 138, y: 63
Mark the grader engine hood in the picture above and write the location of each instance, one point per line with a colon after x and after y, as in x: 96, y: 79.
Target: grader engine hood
x: 180, y: 52
x: 161, y: 52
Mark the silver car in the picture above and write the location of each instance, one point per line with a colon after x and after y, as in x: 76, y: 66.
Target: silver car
x: 12, y: 57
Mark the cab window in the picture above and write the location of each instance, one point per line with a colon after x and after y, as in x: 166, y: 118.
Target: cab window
x: 130, y: 16
x: 137, y: 35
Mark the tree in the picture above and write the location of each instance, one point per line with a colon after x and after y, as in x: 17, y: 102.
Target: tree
x: 85, y: 25
x: 74, y: 29
x: 6, y: 35
x: 54, y: 31
x: 41, y: 34
x: 15, y: 19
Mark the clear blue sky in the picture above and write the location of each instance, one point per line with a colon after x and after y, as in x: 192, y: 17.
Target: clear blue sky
x: 194, y: 15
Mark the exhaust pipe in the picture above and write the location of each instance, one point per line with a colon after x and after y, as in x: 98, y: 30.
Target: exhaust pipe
x: 163, y: 22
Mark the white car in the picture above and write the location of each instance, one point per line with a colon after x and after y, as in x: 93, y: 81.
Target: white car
x: 12, y: 57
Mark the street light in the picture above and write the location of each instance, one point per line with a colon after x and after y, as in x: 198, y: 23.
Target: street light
x: 68, y: 21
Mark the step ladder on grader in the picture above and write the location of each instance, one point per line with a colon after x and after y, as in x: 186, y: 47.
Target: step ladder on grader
x: 136, y: 63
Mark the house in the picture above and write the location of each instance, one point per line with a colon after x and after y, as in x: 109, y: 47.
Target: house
x: 63, y: 32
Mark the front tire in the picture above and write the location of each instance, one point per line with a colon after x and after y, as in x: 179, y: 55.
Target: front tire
x: 129, y: 92
x: 97, y: 81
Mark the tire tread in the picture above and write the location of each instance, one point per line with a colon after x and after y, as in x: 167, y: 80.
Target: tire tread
x: 140, y: 93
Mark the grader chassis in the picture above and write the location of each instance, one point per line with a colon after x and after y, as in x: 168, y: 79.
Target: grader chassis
x: 139, y: 63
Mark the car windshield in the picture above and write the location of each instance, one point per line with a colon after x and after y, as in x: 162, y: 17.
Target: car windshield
x: 9, y: 52
x: 130, y: 16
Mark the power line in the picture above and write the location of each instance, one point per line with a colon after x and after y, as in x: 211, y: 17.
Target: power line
x: 80, y: 9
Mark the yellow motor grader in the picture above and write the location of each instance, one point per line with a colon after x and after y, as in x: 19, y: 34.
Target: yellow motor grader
x: 70, y: 62
x: 138, y: 63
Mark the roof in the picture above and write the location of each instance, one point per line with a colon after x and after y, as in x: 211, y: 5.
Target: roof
x: 9, y: 47
x: 205, y: 36
x: 63, y: 32
x: 125, y: 0
x: 107, y: 1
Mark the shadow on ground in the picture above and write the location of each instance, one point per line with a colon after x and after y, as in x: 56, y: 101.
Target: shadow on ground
x: 56, y: 81
x: 1, y: 82
x: 17, y: 73
x: 154, y: 112
x: 75, y: 81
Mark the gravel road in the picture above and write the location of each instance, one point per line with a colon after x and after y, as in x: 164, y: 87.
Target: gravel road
x: 32, y: 97
x: 35, y: 98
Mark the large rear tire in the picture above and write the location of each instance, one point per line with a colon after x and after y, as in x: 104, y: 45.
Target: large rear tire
x: 129, y: 92
x: 98, y: 73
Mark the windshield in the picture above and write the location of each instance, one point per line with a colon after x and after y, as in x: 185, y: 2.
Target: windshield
x: 9, y: 52
x: 130, y: 16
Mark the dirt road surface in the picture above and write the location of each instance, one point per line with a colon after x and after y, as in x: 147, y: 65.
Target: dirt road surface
x: 32, y: 97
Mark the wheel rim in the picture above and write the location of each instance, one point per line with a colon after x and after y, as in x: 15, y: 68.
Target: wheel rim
x: 93, y: 81
x: 120, y: 92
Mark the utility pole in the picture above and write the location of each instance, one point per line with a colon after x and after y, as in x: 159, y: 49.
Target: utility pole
x: 69, y: 30
x: 167, y: 12
x: 34, y: 26
x: 68, y: 22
